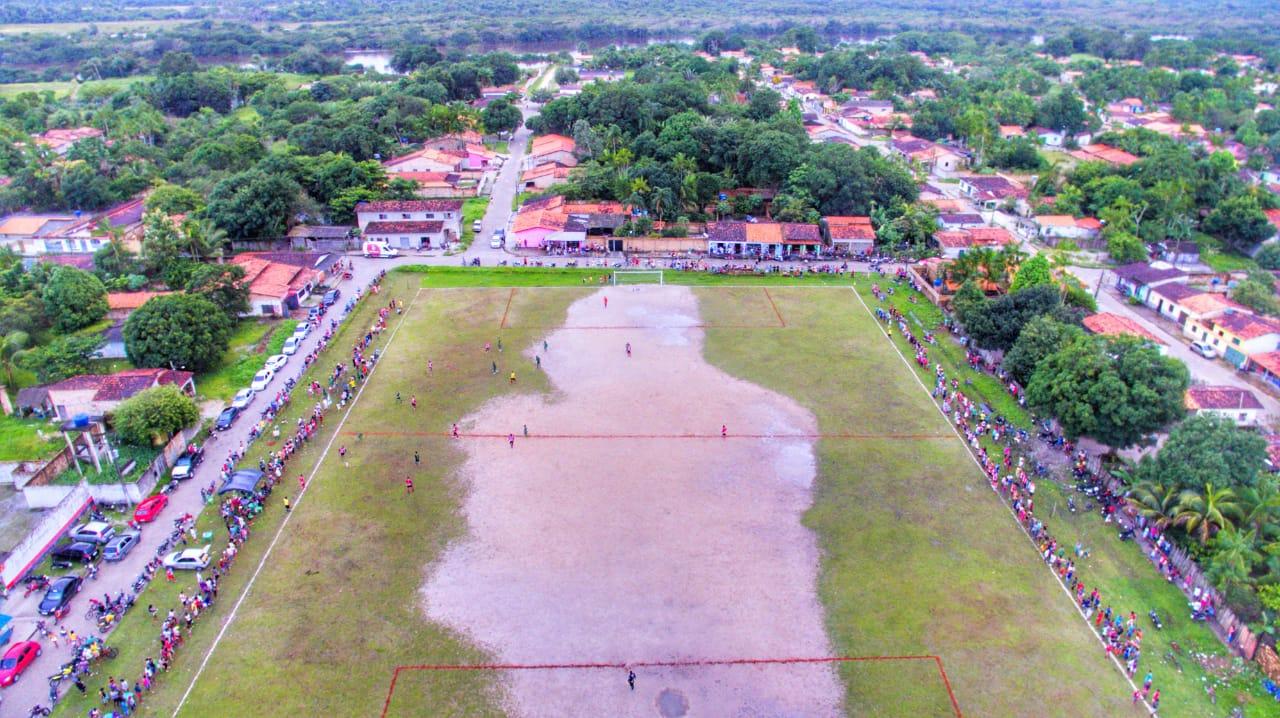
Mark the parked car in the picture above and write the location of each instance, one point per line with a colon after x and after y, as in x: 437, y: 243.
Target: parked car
x: 93, y: 532
x: 291, y: 346
x: 242, y: 398
x: 16, y: 659
x: 1204, y: 350
x: 226, y: 418
x: 475, y: 226
x: 191, y: 559
x: 276, y: 362
x: 120, y: 546
x: 75, y: 551
x: 380, y: 249
x: 496, y: 242
x: 331, y: 297
x: 262, y: 379
x: 186, y: 464
x: 150, y: 508
x: 61, y: 590
x: 302, y: 330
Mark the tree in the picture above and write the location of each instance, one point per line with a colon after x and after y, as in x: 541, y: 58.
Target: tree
x: 1233, y: 554
x: 1032, y: 273
x: 501, y: 116
x: 1039, y: 338
x: 186, y: 331
x: 1125, y: 248
x: 1061, y: 110
x: 764, y: 103
x: 150, y: 417
x: 1207, y: 450
x: 74, y: 299
x: 174, y: 199
x: 254, y: 204
x: 63, y: 357
x: 223, y: 285
x: 160, y: 240
x: 12, y: 347
x: 1239, y: 222
x: 996, y: 324
x: 1116, y: 390
x: 202, y: 239
x: 1269, y: 256
x: 968, y: 299
x: 1203, y: 513
x: 1158, y: 504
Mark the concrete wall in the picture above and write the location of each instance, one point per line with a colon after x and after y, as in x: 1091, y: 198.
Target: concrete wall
x: 61, y: 516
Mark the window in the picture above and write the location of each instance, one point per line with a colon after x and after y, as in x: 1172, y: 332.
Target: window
x: 431, y: 215
x: 382, y: 216
x: 1236, y: 341
x: 405, y: 215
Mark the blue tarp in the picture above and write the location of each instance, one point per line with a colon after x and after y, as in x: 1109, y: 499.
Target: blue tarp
x: 245, y: 480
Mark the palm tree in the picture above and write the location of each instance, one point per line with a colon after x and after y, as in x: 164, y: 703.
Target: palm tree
x: 1203, y: 513
x: 204, y: 239
x: 1260, y: 506
x: 1235, y: 553
x: 12, y: 348
x: 1159, y: 504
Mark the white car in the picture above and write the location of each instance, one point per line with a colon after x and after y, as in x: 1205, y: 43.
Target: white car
x: 275, y: 362
x: 242, y: 398
x: 192, y: 559
x: 291, y: 345
x: 302, y: 330
x: 261, y: 379
x: 93, y: 532
x: 1204, y: 350
x: 497, y: 242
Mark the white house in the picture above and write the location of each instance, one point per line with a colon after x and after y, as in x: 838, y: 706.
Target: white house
x: 1229, y: 402
x: 1053, y: 228
x: 400, y: 211
x: 426, y: 234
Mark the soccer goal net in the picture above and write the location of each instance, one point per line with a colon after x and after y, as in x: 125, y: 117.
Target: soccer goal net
x: 638, y: 276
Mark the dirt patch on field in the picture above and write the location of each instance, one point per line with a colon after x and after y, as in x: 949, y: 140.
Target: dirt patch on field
x: 650, y: 538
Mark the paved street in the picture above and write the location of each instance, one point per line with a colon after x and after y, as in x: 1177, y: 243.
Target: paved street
x: 1207, y: 371
x: 113, y: 578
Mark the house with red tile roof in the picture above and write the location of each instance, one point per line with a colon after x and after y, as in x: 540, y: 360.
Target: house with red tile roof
x: 543, y: 176
x: 955, y: 242
x: 551, y: 149
x: 1114, y: 325
x: 122, y: 304
x: 427, y: 159
x: 275, y: 288
x: 762, y: 239
x: 1229, y: 402
x: 61, y: 141
x: 850, y: 235
x: 1104, y: 153
x: 1273, y: 216
x: 1054, y: 228
x: 446, y: 211
x: 98, y: 394
x: 1235, y: 333
x: 991, y: 191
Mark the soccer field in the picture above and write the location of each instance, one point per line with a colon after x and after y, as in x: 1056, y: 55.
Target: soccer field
x: 834, y: 552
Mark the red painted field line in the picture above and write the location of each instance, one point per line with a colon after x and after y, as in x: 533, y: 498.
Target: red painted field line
x: 781, y: 321
x: 955, y: 704
x: 512, y: 295
x: 386, y: 706
x: 708, y: 437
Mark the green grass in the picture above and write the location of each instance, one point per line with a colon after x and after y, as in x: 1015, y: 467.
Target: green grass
x: 472, y: 209
x: 1121, y: 573
x: 502, y: 148
x: 245, y: 356
x: 918, y: 556
x: 332, y: 656
x: 20, y: 439
x: 142, y: 456
x: 1221, y: 262
x: 519, y: 199
x: 438, y: 277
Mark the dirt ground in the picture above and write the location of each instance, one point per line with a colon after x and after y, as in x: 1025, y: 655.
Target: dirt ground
x: 635, y: 549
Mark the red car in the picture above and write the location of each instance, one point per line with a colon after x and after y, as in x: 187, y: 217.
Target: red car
x: 150, y: 508
x: 16, y: 660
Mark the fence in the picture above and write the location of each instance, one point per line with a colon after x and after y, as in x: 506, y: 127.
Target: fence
x: 51, y: 527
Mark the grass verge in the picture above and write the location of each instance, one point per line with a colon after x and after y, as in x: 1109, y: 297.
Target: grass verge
x: 247, y: 352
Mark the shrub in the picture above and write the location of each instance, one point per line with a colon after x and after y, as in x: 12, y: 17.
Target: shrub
x: 150, y: 417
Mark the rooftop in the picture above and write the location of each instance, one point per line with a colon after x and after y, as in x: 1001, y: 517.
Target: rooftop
x: 1143, y: 273
x: 1220, y: 398
x: 410, y: 205
x: 1109, y: 324
x: 121, y: 385
x: 410, y: 227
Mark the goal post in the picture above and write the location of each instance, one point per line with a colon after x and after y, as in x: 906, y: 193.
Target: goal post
x: 638, y: 276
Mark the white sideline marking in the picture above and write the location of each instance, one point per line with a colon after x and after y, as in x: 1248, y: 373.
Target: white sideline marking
x: 231, y: 617
x: 986, y: 484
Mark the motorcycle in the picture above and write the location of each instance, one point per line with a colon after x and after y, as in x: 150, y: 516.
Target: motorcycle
x: 1155, y: 619
x: 36, y: 583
